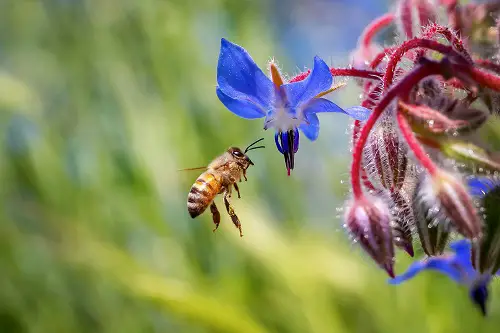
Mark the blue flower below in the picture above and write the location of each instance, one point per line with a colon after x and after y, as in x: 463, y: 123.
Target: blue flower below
x: 458, y: 267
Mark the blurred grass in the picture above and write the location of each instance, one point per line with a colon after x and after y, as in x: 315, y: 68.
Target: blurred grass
x: 100, y: 103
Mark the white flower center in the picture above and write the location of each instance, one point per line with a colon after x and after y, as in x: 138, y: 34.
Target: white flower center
x: 282, y: 120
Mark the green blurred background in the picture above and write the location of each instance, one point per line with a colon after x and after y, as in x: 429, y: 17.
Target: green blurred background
x: 101, y: 102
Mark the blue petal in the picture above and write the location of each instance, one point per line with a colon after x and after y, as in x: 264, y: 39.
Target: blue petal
x: 320, y: 80
x: 358, y: 112
x: 444, y: 265
x: 322, y: 105
x: 311, y: 129
x: 240, y: 107
x: 276, y: 140
x: 239, y: 77
x: 480, y: 186
x: 462, y: 249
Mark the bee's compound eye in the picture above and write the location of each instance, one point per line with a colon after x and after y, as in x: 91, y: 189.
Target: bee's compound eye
x: 237, y: 154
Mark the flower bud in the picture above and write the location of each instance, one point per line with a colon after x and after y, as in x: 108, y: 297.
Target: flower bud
x: 432, y: 232
x: 402, y: 223
x: 386, y: 159
x: 455, y: 204
x: 368, y: 221
x: 487, y: 250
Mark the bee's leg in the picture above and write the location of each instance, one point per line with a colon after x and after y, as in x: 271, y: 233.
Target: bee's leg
x: 230, y: 211
x: 215, y: 215
x: 245, y: 174
x: 237, y: 190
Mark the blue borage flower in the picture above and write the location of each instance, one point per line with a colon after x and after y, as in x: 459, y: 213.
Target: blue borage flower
x: 458, y: 267
x: 247, y: 92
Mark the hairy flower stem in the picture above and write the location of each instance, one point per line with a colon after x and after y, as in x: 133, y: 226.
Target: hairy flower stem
x: 411, y: 44
x: 352, y: 72
x: 412, y: 142
x: 481, y: 77
x: 434, y: 29
x: 366, y: 74
x: 379, y: 57
x: 402, y: 88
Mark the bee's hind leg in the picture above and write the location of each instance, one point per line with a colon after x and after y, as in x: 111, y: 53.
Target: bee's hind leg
x: 237, y: 190
x: 230, y: 211
x: 215, y: 215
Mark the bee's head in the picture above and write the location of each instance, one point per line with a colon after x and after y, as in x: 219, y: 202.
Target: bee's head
x: 241, y: 156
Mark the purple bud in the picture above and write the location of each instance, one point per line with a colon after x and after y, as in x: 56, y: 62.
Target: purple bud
x: 368, y: 221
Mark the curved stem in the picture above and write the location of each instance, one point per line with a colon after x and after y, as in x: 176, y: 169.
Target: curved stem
x: 412, y: 142
x: 411, y: 44
x: 481, y: 77
x: 450, y: 36
x: 374, y: 27
x: 351, y: 72
x: 379, y: 57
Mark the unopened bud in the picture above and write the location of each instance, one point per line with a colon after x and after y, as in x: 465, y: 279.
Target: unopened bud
x: 368, y: 221
x: 487, y: 250
x: 432, y: 232
x: 402, y: 223
x: 456, y: 204
x: 386, y: 159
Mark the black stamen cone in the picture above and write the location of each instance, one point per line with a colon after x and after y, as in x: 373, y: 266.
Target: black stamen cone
x: 287, y: 140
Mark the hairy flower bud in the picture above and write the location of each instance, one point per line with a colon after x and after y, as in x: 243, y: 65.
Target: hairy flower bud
x: 385, y: 157
x: 432, y: 232
x: 402, y: 223
x: 368, y: 221
x: 453, y: 203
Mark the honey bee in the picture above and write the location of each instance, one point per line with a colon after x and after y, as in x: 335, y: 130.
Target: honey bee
x: 219, y: 178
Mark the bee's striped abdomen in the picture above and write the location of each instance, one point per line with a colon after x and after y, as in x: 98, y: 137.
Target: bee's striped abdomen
x: 202, y: 193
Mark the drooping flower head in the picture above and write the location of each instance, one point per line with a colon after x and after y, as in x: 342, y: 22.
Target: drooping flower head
x: 247, y: 92
x: 458, y: 267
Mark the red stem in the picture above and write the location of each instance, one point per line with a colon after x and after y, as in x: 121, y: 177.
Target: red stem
x: 450, y: 36
x: 374, y: 27
x: 366, y: 74
x: 352, y: 72
x: 411, y: 44
x: 402, y: 88
x: 488, y: 64
x: 482, y: 77
x: 412, y: 142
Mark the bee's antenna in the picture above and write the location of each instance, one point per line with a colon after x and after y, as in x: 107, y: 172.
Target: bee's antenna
x: 255, y: 148
x: 253, y: 143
